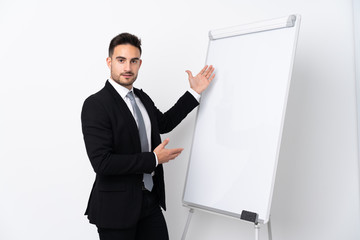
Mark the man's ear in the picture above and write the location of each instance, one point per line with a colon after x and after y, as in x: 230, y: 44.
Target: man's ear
x: 108, y: 62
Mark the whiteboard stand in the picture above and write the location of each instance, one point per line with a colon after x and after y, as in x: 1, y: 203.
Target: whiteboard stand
x: 269, y: 230
x: 257, y: 230
x: 245, y: 215
x: 191, y: 211
x: 254, y: 218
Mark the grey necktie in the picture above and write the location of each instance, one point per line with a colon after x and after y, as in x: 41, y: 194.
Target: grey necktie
x: 148, y: 182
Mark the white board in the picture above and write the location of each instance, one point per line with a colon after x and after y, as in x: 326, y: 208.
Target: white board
x: 239, y: 122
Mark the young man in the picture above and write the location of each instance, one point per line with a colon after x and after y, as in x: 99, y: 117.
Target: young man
x: 121, y: 127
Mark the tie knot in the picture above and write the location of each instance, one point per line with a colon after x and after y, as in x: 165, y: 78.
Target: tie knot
x: 130, y: 95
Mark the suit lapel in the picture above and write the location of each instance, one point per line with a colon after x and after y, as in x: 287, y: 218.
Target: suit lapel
x: 145, y: 102
x: 149, y: 108
x: 125, y: 112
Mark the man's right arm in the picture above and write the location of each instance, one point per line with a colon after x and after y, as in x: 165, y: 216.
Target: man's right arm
x: 99, y: 142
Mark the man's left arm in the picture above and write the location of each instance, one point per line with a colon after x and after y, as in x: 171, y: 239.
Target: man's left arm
x: 186, y: 103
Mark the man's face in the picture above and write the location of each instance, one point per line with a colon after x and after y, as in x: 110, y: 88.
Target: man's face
x: 124, y: 64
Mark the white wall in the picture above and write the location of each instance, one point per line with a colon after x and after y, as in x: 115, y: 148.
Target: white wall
x: 52, y: 56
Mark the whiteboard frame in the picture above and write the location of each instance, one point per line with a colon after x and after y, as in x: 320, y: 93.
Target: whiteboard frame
x: 290, y: 21
x: 356, y: 19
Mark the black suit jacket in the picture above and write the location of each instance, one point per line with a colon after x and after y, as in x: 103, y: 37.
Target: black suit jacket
x: 113, y: 145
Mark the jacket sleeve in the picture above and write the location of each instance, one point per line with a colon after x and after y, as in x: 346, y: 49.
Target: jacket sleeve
x: 99, y: 141
x: 170, y: 119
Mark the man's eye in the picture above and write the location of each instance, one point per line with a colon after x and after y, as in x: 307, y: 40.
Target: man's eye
x: 134, y: 61
x: 121, y: 60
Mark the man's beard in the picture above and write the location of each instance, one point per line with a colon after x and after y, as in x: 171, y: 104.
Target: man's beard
x: 126, y: 82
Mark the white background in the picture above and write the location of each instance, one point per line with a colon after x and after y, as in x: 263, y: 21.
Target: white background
x: 52, y: 56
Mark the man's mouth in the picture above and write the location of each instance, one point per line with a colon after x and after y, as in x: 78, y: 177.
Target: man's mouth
x: 127, y: 75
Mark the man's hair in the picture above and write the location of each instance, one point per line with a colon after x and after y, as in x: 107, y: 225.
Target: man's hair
x: 124, y: 38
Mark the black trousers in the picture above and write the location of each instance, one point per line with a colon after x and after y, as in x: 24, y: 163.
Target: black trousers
x: 151, y: 226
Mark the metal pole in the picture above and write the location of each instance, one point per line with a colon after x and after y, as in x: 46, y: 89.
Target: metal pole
x: 269, y: 230
x: 191, y: 211
x: 257, y: 228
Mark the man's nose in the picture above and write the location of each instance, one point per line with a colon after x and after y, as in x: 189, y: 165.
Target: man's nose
x: 127, y: 67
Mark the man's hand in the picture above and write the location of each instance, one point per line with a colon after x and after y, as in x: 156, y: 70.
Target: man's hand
x: 164, y: 155
x: 201, y: 81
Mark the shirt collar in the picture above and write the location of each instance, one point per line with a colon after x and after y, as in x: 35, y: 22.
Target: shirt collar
x: 120, y: 89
